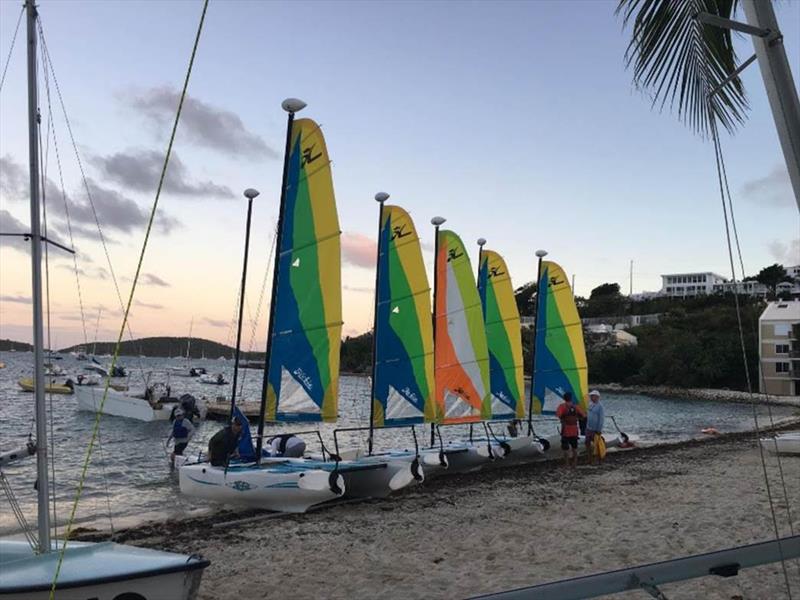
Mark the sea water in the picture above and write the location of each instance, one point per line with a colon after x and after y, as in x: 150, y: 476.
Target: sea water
x: 128, y: 479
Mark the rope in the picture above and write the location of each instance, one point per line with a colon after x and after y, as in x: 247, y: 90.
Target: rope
x: 99, y: 412
x: 46, y: 54
x: 18, y: 513
x: 11, y: 49
x: 719, y: 160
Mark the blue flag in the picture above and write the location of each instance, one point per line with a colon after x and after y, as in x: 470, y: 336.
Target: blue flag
x: 246, y: 450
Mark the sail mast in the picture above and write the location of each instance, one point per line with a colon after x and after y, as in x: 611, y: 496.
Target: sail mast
x: 380, y: 197
x: 540, y: 254
x: 249, y: 193
x: 436, y: 222
x: 43, y: 487
x: 291, y: 106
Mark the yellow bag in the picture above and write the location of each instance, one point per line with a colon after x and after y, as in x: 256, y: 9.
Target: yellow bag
x: 598, y: 446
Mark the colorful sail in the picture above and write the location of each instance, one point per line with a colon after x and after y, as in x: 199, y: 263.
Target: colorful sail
x: 560, y: 358
x: 503, y: 336
x: 461, y: 355
x: 303, y: 366
x: 403, y: 330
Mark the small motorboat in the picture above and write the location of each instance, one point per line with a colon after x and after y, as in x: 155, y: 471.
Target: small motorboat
x: 50, y: 388
x: 218, y: 379
x: 156, y: 404
x: 783, y: 443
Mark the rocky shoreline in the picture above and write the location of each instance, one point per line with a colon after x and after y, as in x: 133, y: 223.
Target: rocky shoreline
x: 709, y: 395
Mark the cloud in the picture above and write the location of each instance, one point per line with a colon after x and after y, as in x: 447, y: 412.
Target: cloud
x: 774, y: 189
x: 147, y: 305
x: 359, y: 250
x: 115, y: 212
x: 90, y: 273
x: 202, y: 123
x: 18, y: 299
x: 215, y: 322
x: 140, y: 170
x: 786, y: 253
x: 150, y: 279
x: 13, y: 179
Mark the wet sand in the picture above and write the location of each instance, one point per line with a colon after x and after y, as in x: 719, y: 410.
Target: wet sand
x: 495, y: 530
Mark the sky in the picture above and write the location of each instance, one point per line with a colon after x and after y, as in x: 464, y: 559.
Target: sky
x: 516, y: 121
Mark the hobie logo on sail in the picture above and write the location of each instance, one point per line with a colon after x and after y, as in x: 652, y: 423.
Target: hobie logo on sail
x: 398, y: 231
x: 495, y: 272
x: 554, y: 282
x: 412, y: 397
x: 453, y: 254
x: 301, y: 376
x: 307, y: 157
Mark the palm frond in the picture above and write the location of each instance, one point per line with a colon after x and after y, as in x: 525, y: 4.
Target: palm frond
x: 680, y: 60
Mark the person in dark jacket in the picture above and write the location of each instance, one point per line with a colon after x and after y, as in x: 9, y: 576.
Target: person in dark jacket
x: 225, y: 443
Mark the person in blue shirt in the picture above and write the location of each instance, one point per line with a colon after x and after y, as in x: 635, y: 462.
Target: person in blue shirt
x: 182, y: 432
x: 594, y: 425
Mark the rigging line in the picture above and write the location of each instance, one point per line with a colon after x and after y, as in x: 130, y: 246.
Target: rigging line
x: 46, y: 54
x: 754, y: 327
x: 99, y: 412
x: 718, y: 153
x: 66, y: 209
x: 11, y: 49
x: 44, y: 156
x: 259, y: 306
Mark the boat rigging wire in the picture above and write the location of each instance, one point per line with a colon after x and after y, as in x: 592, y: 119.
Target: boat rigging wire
x: 719, y: 163
x: 149, y: 228
x: 11, y: 49
x: 47, y: 58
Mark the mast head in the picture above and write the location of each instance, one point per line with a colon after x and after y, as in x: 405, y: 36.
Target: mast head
x: 293, y: 105
x: 481, y: 242
x: 381, y: 197
x: 250, y: 193
x: 541, y: 253
x: 436, y: 221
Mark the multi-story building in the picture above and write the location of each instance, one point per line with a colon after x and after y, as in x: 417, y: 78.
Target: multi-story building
x: 682, y: 285
x: 779, y: 349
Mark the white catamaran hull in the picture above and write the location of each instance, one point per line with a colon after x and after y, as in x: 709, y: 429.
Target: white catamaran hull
x: 381, y: 478
x: 104, y: 571
x: 784, y: 443
x: 120, y: 404
x: 274, y: 485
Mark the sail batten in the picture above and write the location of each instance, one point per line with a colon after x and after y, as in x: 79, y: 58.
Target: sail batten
x: 303, y: 363
x: 503, y: 334
x: 403, y: 371
x: 560, y: 356
x: 461, y: 355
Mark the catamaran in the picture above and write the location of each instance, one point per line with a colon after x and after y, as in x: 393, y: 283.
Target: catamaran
x: 39, y: 566
x: 301, y: 377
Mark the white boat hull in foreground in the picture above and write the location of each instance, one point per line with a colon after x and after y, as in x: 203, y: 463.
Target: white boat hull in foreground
x: 104, y: 571
x: 279, y: 485
x: 121, y: 404
x: 783, y: 443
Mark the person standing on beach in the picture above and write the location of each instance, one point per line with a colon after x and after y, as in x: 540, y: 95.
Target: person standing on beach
x: 182, y: 432
x: 594, y: 425
x: 569, y: 414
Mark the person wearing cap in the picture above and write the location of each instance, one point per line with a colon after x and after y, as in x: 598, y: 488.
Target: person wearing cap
x: 182, y: 432
x: 594, y: 424
x: 225, y: 443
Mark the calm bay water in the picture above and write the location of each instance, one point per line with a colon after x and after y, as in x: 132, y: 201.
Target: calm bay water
x: 128, y: 477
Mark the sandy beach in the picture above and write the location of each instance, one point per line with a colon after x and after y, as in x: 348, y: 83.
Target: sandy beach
x: 463, y: 535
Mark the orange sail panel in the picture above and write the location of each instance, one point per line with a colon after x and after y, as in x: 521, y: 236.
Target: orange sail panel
x: 461, y: 359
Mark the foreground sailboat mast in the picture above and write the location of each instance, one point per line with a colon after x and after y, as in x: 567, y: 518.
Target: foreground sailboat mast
x: 291, y: 106
x: 43, y: 487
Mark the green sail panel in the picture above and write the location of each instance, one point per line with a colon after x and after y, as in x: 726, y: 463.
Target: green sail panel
x: 303, y: 366
x: 403, y: 331
x: 503, y: 336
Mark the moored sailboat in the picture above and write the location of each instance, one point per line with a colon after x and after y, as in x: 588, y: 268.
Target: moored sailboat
x: 42, y: 567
